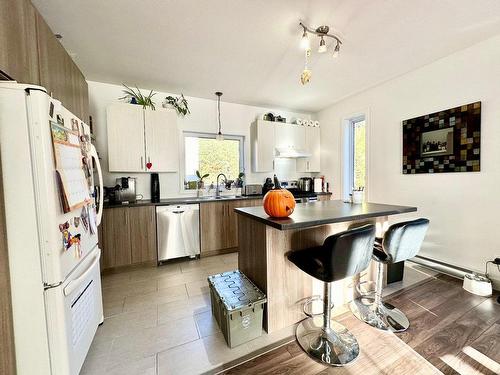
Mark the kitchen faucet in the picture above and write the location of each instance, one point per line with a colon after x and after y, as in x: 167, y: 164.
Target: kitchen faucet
x: 217, y: 191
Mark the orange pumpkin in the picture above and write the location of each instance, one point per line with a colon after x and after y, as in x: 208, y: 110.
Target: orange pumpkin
x: 278, y: 202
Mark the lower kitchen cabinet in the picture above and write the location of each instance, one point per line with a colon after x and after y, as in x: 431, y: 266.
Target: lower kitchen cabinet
x: 219, y: 225
x: 142, y: 234
x: 128, y: 236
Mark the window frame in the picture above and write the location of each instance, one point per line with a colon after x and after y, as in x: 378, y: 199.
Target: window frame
x: 240, y: 138
x: 348, y: 153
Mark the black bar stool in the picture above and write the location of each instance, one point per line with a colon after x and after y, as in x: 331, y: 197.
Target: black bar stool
x: 342, y: 255
x: 401, y: 241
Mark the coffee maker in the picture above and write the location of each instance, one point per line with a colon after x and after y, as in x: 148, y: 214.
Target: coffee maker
x: 125, y: 190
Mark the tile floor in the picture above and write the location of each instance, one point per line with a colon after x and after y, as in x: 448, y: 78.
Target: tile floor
x: 158, y: 321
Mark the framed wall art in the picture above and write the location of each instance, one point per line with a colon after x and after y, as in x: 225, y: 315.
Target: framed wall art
x: 445, y: 141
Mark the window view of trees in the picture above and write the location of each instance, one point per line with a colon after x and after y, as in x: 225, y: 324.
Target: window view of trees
x: 359, y: 154
x: 212, y: 157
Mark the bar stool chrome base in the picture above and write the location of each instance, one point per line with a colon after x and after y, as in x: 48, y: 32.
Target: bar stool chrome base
x: 383, y: 315
x: 334, y: 346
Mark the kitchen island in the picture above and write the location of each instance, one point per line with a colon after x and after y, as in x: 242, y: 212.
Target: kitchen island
x: 264, y: 243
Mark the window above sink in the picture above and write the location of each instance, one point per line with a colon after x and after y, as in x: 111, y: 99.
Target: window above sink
x: 204, y: 153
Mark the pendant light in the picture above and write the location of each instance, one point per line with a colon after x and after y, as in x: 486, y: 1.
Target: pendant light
x: 219, y: 135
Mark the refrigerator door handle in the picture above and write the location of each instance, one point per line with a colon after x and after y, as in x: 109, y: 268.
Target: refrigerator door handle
x: 94, y: 155
x: 74, y: 284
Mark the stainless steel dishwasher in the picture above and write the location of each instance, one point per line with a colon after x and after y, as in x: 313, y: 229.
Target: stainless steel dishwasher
x: 178, y: 231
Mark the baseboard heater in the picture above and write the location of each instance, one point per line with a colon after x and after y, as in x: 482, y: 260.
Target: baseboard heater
x: 448, y: 269
x: 445, y: 268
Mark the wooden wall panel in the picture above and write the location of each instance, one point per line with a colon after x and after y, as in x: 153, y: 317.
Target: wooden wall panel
x: 18, y: 49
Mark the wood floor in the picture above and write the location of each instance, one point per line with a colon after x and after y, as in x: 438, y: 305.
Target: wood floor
x: 455, y: 331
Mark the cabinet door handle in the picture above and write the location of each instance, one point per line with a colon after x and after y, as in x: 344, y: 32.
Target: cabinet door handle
x: 308, y: 166
x: 149, y: 159
x: 142, y: 163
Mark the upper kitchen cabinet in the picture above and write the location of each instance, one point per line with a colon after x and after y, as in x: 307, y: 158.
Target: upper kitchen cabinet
x: 262, y: 146
x: 313, y: 146
x: 126, y: 149
x: 59, y: 74
x: 19, y: 56
x: 290, y: 136
x: 142, y: 140
x: 162, y: 140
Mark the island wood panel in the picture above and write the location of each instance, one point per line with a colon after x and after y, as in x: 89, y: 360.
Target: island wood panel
x: 143, y: 234
x: 262, y: 257
x: 7, y: 352
x: 18, y: 57
x: 252, y: 257
x: 324, y: 197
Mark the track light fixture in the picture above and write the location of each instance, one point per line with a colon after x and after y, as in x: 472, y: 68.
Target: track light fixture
x: 322, y: 32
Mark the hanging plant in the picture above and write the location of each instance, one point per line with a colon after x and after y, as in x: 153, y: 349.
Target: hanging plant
x: 136, y: 97
x: 179, y: 103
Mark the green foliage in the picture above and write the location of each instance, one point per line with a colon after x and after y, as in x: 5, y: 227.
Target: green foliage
x: 200, y: 177
x: 139, y: 98
x: 180, y: 104
x: 360, y: 155
x: 219, y: 157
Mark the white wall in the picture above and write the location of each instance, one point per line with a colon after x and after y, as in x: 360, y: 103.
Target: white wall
x: 462, y: 207
x: 235, y: 118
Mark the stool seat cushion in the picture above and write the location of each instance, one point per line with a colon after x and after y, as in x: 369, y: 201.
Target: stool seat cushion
x: 309, y: 261
x: 342, y: 255
x: 403, y: 240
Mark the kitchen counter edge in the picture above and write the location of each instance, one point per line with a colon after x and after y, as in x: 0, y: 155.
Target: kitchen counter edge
x: 185, y: 200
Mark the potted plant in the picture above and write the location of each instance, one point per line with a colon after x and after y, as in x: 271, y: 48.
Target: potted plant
x: 201, y: 184
x: 136, y: 97
x: 239, y: 181
x: 179, y: 103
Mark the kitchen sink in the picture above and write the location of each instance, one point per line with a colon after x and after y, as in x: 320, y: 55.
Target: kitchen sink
x: 221, y: 197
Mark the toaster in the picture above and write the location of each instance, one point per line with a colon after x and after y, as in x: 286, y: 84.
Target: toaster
x: 252, y: 189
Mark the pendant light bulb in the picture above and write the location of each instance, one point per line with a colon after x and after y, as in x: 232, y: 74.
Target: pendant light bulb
x: 336, y: 51
x: 305, y: 44
x: 219, y: 136
x: 322, y: 46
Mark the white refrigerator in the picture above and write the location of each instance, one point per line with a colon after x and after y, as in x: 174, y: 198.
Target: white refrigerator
x: 53, y: 255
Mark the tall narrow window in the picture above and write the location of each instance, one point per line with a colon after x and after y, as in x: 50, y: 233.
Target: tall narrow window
x: 354, y: 155
x: 359, y: 153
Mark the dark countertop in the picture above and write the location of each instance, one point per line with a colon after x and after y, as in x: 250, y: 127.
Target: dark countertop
x: 186, y: 200
x: 324, y: 212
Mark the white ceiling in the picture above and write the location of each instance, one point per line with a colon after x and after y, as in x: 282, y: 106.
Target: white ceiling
x: 249, y: 49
